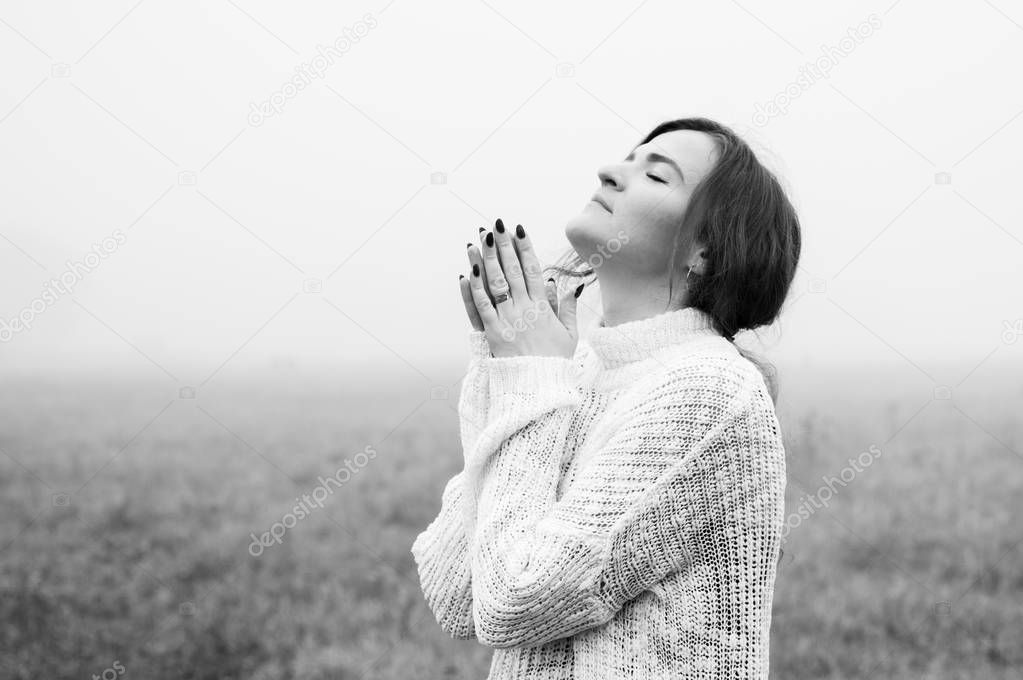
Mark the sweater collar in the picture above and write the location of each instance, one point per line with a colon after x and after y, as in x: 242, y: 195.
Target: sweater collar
x: 635, y: 340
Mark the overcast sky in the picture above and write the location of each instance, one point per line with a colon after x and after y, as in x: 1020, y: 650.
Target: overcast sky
x: 328, y: 232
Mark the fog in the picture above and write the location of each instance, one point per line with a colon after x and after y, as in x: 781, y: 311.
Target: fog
x: 324, y: 235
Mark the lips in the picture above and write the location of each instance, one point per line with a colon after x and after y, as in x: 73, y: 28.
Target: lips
x: 597, y: 198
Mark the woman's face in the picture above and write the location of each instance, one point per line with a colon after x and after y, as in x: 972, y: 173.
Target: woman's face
x: 646, y: 196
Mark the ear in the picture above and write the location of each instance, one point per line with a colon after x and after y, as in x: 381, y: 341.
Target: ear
x: 698, y: 259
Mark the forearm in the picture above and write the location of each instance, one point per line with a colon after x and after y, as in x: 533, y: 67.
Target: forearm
x: 518, y: 458
x: 442, y: 560
x: 533, y: 581
x: 441, y: 550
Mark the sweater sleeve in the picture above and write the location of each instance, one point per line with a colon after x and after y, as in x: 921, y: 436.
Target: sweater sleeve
x: 440, y: 551
x: 689, y: 471
x: 473, y: 401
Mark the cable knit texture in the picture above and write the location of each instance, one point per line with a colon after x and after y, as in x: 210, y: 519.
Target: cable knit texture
x: 617, y: 514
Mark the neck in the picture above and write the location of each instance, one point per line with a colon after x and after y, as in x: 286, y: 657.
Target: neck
x: 641, y: 339
x: 631, y: 300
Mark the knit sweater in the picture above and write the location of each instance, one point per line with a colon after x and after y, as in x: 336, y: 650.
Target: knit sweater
x: 617, y: 514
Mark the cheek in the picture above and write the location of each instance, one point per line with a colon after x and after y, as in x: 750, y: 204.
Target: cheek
x: 651, y: 222
x: 652, y: 215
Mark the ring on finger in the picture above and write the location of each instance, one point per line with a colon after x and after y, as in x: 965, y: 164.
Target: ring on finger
x: 500, y: 297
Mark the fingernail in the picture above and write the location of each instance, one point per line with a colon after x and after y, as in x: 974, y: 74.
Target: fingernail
x: 475, y: 270
x: 520, y: 232
x: 550, y: 280
x: 490, y: 238
x: 577, y: 290
x: 482, y: 230
x: 461, y: 276
x: 468, y: 245
x: 500, y: 226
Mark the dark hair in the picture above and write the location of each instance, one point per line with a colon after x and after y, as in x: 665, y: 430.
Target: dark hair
x: 751, y: 232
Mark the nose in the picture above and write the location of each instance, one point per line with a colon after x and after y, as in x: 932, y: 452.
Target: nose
x: 610, y: 175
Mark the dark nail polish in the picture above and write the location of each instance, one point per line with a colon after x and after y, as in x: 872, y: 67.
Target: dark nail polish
x: 499, y: 225
x: 475, y: 270
x: 461, y: 276
x: 482, y: 230
x: 579, y: 289
x: 468, y: 245
x: 520, y: 232
x: 550, y: 280
x: 490, y: 238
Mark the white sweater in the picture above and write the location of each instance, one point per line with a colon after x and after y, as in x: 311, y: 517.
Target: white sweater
x: 618, y: 514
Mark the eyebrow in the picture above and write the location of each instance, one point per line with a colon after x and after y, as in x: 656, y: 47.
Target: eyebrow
x: 654, y: 157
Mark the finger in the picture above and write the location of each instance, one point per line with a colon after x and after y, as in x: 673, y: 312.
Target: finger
x: 492, y: 272
x: 479, y: 296
x: 552, y: 294
x: 531, y: 268
x: 510, y: 263
x: 567, y: 311
x: 470, y: 304
x: 474, y: 256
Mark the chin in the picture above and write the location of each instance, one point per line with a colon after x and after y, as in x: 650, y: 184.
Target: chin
x: 584, y: 232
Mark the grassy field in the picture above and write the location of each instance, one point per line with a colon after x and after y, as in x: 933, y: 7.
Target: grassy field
x: 127, y: 516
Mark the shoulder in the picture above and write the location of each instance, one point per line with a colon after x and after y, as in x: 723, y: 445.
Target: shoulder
x: 711, y: 369
x: 715, y: 361
x: 718, y: 390
x: 705, y: 386
x: 690, y: 390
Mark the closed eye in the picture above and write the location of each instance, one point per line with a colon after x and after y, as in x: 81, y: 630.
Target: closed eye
x: 656, y: 178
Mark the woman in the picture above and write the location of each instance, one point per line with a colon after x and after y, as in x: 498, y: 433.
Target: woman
x: 620, y: 507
